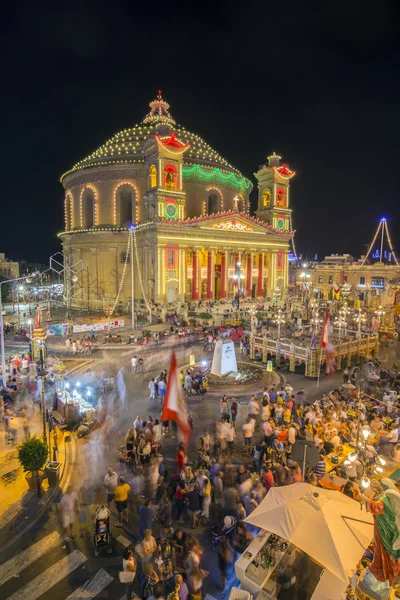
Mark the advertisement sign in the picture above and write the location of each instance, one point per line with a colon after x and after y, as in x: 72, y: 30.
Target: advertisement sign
x: 191, y: 359
x: 269, y: 365
x: 98, y: 326
x: 57, y: 329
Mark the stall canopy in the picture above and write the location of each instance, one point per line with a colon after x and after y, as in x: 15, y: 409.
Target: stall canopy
x: 325, y: 524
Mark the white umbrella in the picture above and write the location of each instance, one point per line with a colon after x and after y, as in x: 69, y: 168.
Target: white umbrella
x: 325, y: 524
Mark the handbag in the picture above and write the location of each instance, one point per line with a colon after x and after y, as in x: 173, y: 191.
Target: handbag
x: 126, y: 576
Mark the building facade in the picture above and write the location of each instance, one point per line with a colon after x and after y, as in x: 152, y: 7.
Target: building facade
x: 368, y: 284
x: 8, y: 268
x: 162, y: 197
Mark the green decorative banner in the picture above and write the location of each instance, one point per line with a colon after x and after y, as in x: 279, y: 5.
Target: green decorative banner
x: 200, y: 174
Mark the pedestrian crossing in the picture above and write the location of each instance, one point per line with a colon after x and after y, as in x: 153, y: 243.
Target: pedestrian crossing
x: 35, y: 572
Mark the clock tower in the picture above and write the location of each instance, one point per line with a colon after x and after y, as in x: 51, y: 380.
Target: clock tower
x: 273, y: 193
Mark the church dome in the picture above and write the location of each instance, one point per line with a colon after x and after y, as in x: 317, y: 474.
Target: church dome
x: 127, y: 145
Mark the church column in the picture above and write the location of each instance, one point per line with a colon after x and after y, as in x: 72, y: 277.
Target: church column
x: 182, y: 274
x: 260, y: 276
x: 248, y: 275
x: 195, y: 276
x: 209, y: 276
x: 224, y: 274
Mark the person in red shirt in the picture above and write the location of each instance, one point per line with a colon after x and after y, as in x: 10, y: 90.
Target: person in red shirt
x: 269, y: 480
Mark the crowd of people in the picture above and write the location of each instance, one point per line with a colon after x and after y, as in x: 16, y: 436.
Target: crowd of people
x: 234, y: 468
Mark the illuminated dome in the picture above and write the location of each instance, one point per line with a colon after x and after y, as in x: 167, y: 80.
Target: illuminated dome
x: 127, y: 145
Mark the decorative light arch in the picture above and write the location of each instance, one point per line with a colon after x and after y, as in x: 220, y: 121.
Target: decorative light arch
x: 68, y: 211
x: 95, y: 194
x: 132, y: 185
x: 213, y: 189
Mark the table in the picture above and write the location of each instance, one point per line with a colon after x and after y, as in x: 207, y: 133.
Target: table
x: 346, y: 451
x: 337, y: 483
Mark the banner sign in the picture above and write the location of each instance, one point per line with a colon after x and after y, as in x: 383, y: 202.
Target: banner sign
x: 98, y: 326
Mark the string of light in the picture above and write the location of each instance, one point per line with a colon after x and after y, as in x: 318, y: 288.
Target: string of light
x: 390, y: 244
x: 139, y: 272
x: 372, y: 243
x: 291, y: 231
x: 121, y: 283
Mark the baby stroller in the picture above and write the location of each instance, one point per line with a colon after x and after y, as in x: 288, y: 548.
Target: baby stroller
x: 102, y: 530
x: 225, y: 529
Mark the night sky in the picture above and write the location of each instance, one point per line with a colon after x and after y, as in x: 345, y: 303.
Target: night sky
x: 317, y: 82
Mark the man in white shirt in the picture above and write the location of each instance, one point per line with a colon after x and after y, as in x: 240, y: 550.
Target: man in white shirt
x: 254, y: 408
x: 138, y: 423
x: 134, y: 364
x: 292, y: 433
x: 110, y: 483
x: 229, y: 434
x: 248, y: 431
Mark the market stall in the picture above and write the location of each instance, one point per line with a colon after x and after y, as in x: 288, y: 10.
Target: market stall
x: 72, y: 407
x: 304, y: 525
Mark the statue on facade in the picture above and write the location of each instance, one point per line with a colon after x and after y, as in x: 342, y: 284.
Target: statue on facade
x: 385, y: 567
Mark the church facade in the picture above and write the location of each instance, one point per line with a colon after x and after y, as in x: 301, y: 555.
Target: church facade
x: 160, y: 196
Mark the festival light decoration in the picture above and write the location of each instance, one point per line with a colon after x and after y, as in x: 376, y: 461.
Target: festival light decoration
x: 205, y: 175
x: 121, y: 283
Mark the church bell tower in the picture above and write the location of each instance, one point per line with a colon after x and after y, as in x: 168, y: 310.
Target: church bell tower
x: 273, y: 193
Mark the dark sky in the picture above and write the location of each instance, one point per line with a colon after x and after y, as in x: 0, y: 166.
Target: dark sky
x: 318, y: 82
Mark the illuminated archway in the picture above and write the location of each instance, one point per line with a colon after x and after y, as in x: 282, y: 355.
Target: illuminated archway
x: 153, y: 176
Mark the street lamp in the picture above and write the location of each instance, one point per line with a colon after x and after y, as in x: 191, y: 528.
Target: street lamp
x: 340, y: 322
x: 360, y: 319
x: 3, y: 357
x: 379, y: 313
x: 316, y: 321
x: 279, y: 320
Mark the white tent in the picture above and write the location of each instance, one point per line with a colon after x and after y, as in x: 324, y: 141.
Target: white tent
x: 325, y: 524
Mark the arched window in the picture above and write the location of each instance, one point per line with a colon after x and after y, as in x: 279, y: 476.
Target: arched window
x: 266, y: 198
x: 125, y: 209
x: 88, y: 208
x: 170, y: 177
x: 281, y: 198
x: 125, y: 258
x: 153, y: 176
x: 213, y: 203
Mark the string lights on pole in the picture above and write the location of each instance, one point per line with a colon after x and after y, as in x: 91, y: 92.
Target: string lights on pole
x: 121, y: 283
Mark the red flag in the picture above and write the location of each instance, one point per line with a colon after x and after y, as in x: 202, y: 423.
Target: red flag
x: 327, y: 344
x: 174, y: 404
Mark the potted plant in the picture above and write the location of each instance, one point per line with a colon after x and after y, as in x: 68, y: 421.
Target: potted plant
x: 32, y: 455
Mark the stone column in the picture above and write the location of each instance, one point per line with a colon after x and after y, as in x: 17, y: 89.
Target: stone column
x: 209, y: 276
x: 249, y: 263
x: 224, y: 274
x: 260, y: 276
x: 195, y: 275
x: 182, y: 274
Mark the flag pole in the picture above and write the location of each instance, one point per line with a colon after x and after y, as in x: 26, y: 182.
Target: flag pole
x: 319, y: 365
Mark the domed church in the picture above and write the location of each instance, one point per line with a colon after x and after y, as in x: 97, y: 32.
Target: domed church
x: 160, y: 196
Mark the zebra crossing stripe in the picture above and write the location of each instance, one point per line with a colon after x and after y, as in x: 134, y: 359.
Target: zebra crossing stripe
x: 123, y: 541
x: 21, y: 561
x: 46, y: 580
x: 92, y: 587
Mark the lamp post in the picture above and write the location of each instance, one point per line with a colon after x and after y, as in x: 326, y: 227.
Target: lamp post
x: 42, y: 373
x: 360, y: 319
x: 132, y: 227
x: 237, y: 277
x: 279, y: 320
x: 3, y: 358
x: 379, y: 313
x: 316, y: 321
x: 340, y: 322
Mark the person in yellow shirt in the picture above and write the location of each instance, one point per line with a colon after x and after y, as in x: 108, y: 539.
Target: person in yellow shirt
x: 121, y: 494
x: 287, y: 415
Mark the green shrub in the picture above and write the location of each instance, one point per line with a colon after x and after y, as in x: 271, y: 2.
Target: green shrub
x: 204, y: 316
x: 32, y: 455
